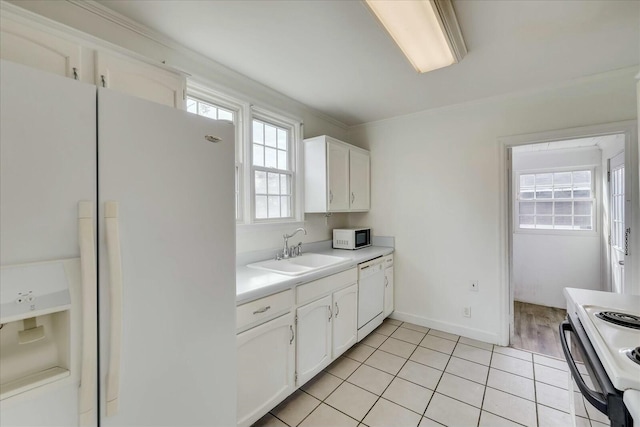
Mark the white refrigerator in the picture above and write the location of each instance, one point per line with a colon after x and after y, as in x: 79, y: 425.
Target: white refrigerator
x: 117, y: 254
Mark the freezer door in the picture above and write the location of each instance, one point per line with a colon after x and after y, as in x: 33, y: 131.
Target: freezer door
x: 170, y: 214
x: 47, y: 165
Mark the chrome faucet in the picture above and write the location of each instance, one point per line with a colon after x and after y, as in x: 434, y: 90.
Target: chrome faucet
x: 286, y: 252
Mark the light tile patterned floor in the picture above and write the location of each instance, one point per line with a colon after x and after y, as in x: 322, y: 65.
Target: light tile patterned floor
x: 407, y: 375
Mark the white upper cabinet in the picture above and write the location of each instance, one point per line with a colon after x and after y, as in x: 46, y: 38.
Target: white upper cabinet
x: 337, y: 176
x: 139, y: 79
x: 38, y: 46
x: 38, y: 49
x: 359, y: 180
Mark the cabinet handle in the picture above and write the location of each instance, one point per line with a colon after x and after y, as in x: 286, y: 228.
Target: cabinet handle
x: 337, y: 310
x: 330, y: 314
x: 386, y: 281
x: 292, y: 334
x: 330, y: 196
x: 353, y: 197
x: 262, y: 310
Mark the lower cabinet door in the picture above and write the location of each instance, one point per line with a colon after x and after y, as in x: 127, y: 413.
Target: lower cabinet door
x: 388, y: 291
x: 314, y: 338
x: 345, y: 319
x: 266, y: 357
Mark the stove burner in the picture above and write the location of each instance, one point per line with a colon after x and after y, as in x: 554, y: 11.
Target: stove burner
x: 634, y: 355
x: 620, y: 319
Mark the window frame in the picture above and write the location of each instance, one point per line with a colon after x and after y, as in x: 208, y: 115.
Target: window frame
x: 294, y: 128
x: 244, y: 112
x: 594, y: 199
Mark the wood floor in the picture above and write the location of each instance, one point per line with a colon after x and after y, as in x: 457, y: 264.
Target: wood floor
x: 536, y: 328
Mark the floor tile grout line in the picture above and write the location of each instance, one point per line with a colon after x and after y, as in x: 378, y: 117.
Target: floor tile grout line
x: 484, y: 392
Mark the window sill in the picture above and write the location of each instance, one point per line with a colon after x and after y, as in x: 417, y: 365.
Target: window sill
x: 573, y: 233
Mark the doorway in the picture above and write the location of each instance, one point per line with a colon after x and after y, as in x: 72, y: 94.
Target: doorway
x: 567, y: 224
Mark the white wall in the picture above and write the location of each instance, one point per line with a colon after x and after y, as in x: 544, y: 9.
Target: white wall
x: 436, y: 187
x: 203, y: 71
x: 544, y: 261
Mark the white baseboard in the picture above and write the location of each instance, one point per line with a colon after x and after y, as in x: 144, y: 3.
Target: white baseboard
x: 472, y: 333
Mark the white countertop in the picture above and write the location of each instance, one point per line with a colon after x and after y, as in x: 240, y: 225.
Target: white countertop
x: 252, y: 284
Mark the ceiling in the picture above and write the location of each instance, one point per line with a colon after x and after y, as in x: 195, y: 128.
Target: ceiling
x: 334, y: 56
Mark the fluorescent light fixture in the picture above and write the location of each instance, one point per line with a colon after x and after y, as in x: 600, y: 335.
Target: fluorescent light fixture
x: 426, y: 31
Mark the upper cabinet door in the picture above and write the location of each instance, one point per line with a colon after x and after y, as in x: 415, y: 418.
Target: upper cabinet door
x: 359, y: 180
x: 337, y: 177
x: 38, y: 49
x: 141, y: 80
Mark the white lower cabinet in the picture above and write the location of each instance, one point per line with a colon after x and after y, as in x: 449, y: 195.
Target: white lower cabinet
x: 266, y: 367
x: 314, y: 338
x: 327, y: 328
x: 345, y: 319
x: 388, y: 286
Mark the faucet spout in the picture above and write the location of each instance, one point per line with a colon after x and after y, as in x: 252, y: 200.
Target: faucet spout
x: 285, y: 251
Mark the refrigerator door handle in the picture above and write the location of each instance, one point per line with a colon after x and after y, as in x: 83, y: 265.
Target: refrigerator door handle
x: 86, y: 242
x: 112, y: 237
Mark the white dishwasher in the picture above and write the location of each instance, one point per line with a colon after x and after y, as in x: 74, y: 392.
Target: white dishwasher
x: 370, y: 296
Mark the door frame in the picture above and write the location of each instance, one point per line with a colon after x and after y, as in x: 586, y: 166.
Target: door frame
x: 505, y: 245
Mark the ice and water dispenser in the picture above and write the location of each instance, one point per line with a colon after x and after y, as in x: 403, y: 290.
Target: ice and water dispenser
x: 39, y: 332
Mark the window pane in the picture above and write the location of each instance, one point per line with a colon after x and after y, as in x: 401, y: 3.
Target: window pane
x: 527, y: 208
x: 544, y: 221
x: 544, y: 193
x: 527, y: 180
x: 261, y: 182
x: 581, y: 193
x: 527, y: 221
x: 282, y: 139
x: 285, y: 206
x: 562, y: 193
x: 544, y: 179
x: 282, y: 160
x: 562, y: 208
x: 258, y: 155
x: 274, y: 207
x: 258, y: 132
x: 544, y: 208
x: 269, y: 135
x: 582, y: 208
x: 225, y: 115
x: 192, y: 105
x: 562, y: 178
x: 582, y: 222
x: 273, y: 183
x: 261, y: 207
x: 563, y: 222
x: 284, y: 184
x: 582, y: 177
x: 206, y: 110
x: 270, y: 157
x: 526, y: 195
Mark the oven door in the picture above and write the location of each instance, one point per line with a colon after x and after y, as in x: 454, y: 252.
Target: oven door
x: 603, y: 396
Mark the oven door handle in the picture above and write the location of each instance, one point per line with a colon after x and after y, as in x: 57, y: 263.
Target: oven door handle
x: 598, y: 400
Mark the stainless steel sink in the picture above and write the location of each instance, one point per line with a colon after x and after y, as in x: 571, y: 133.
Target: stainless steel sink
x: 305, y: 263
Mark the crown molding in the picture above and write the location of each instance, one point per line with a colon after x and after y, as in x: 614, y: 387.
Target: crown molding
x: 142, y: 30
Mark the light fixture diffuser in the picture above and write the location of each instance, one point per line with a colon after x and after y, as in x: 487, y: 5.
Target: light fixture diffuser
x: 426, y: 31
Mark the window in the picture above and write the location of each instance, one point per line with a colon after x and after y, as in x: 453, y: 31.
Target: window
x: 272, y: 169
x: 267, y: 190
x: 617, y: 208
x: 559, y: 200
x: 218, y: 112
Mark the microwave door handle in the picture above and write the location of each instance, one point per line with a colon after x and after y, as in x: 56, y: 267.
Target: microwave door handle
x: 598, y: 400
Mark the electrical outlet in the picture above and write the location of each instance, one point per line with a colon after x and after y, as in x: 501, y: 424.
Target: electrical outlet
x: 466, y: 311
x: 474, y: 286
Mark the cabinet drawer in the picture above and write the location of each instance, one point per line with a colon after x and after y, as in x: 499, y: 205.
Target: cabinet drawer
x: 317, y: 288
x: 261, y: 310
x: 388, y: 261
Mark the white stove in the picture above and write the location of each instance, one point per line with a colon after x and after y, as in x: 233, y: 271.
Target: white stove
x: 607, y: 328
